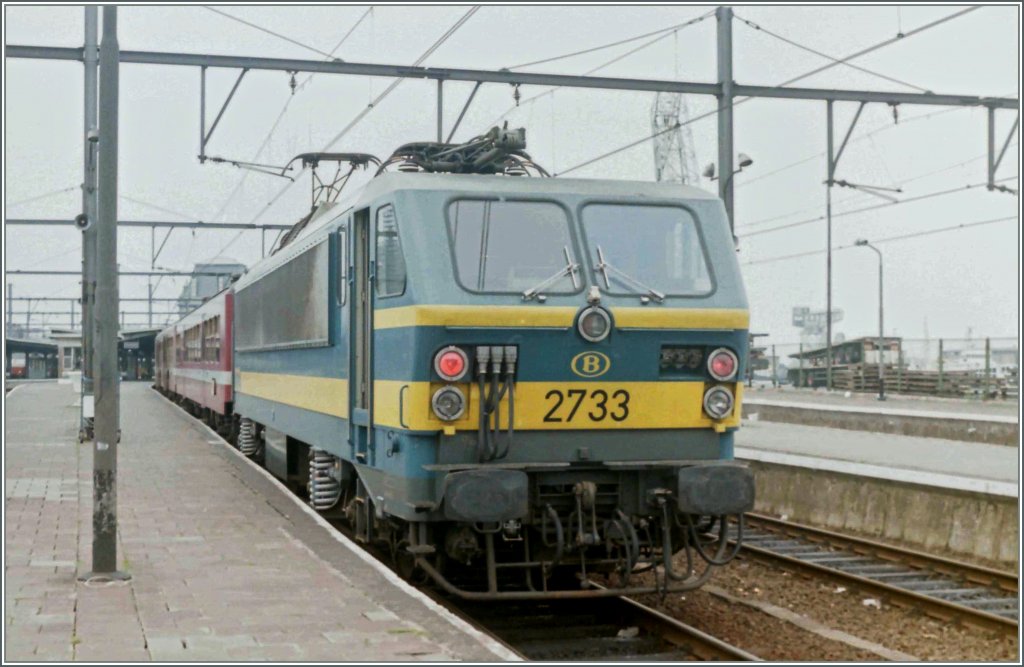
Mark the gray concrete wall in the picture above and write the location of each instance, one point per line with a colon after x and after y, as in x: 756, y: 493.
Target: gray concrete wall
x: 969, y: 430
x: 929, y: 518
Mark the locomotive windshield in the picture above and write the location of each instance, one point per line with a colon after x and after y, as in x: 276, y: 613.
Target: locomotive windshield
x: 646, y: 250
x: 510, y: 246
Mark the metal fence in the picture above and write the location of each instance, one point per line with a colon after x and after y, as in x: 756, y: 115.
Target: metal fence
x: 984, y: 366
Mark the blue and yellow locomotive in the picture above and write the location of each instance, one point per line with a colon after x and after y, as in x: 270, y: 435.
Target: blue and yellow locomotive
x: 517, y: 384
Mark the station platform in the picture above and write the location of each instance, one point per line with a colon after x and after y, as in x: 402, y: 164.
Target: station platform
x: 987, y: 422
x: 951, y: 464
x: 936, y: 494
x: 226, y: 565
x: 896, y: 403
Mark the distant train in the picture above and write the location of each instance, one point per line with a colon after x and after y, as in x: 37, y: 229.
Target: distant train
x: 518, y: 385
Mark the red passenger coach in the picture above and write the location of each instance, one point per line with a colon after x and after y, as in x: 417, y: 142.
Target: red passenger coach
x: 194, y: 361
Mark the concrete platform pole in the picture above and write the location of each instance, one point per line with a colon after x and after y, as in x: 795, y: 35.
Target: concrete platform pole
x: 828, y: 246
x: 91, y: 134
x: 107, y: 426
x: 723, y: 17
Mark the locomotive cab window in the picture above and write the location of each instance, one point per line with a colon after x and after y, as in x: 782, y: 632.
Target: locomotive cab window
x: 636, y: 249
x: 390, y: 262
x: 510, y: 246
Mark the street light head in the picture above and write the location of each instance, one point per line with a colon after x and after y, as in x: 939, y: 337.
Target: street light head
x: 709, y: 171
x: 744, y: 160
x: 861, y: 242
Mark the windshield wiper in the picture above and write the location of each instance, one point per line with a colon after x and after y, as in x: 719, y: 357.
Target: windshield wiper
x: 603, y: 266
x: 570, y: 269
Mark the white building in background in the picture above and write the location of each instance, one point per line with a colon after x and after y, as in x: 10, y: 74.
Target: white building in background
x: 202, y: 287
x: 1003, y: 357
x: 69, y: 351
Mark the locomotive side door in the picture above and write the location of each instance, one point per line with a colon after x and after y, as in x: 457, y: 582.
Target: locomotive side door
x: 361, y: 337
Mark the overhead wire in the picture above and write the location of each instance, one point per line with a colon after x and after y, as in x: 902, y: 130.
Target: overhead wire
x: 397, y: 82
x: 887, y: 239
x: 156, y: 207
x: 804, y: 47
x: 271, y: 32
x: 928, y: 195
x: 280, y: 117
x: 882, y: 44
x: 660, y: 31
x: 362, y: 114
x: 902, y: 182
x: 609, y: 63
x: 882, y: 128
x: 45, y: 195
x: 742, y: 100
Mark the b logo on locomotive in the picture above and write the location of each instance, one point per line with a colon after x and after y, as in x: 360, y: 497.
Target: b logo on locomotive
x: 590, y: 364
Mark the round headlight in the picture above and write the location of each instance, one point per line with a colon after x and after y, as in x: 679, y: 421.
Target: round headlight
x: 718, y: 402
x: 451, y: 363
x: 448, y: 403
x: 594, y: 324
x: 723, y: 364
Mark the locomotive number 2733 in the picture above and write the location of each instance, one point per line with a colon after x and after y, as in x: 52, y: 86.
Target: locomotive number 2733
x: 595, y: 405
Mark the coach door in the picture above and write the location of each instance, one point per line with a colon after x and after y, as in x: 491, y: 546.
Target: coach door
x: 361, y: 321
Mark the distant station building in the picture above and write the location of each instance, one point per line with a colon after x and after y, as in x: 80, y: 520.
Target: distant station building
x: 135, y: 354
x: 69, y: 350
x: 30, y: 359
x: 199, y: 288
x: 809, y: 368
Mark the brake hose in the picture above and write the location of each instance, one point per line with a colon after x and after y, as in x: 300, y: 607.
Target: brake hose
x: 722, y: 533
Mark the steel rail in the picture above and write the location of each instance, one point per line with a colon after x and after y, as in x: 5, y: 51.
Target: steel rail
x: 795, y: 557
x: 607, y: 628
x: 985, y: 576
x: 701, y: 644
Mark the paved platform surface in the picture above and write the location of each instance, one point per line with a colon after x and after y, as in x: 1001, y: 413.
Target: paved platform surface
x: 894, y: 402
x: 225, y: 564
x: 932, y: 461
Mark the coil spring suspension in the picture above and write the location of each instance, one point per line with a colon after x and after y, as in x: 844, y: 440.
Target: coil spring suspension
x: 324, y: 490
x: 248, y: 443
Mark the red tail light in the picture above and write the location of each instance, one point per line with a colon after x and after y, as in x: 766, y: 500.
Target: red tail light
x: 451, y: 363
x: 722, y: 364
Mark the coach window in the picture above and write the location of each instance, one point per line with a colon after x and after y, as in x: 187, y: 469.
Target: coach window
x: 193, y: 344
x: 390, y: 263
x: 211, y: 339
x: 342, y: 265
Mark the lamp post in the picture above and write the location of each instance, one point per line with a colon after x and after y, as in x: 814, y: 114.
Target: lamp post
x: 744, y: 161
x: 881, y: 322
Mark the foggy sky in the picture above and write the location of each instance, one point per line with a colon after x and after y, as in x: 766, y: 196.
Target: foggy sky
x: 947, y: 282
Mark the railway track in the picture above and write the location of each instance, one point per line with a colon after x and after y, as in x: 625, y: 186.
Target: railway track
x: 601, y: 629
x: 942, y: 588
